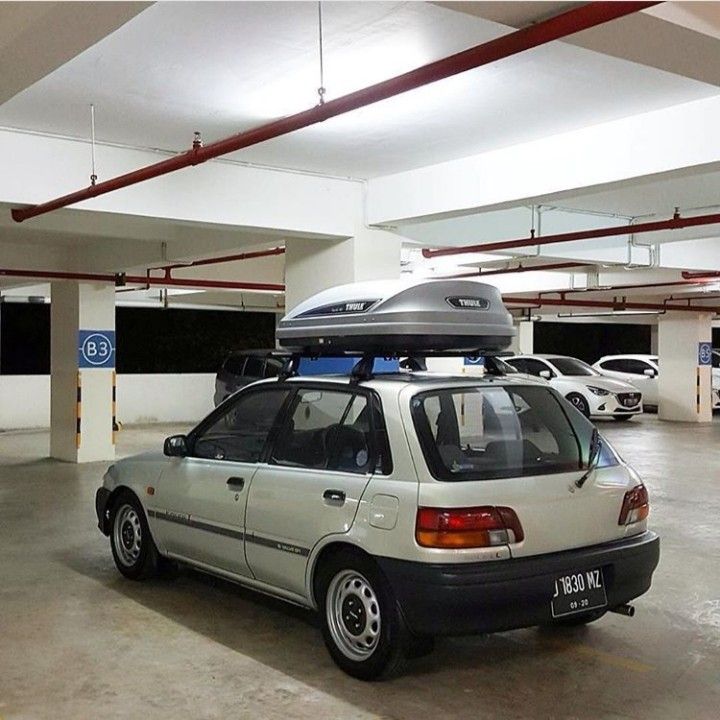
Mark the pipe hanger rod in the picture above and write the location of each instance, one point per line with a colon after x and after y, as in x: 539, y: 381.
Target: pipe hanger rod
x: 581, y: 18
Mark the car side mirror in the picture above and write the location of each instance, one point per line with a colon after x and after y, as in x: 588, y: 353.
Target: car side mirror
x: 546, y: 374
x: 649, y: 372
x: 176, y: 446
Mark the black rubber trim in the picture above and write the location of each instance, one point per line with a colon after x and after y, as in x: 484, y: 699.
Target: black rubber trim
x: 466, y: 598
x: 102, y: 496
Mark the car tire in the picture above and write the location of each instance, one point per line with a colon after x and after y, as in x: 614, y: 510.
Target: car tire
x: 578, y: 620
x: 579, y: 403
x: 622, y: 418
x: 133, y: 548
x: 362, y: 626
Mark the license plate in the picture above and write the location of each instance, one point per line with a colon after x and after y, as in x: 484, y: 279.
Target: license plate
x: 578, y: 592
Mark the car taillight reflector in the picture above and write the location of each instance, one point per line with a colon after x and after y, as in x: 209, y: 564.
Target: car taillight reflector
x: 635, y: 507
x: 471, y: 527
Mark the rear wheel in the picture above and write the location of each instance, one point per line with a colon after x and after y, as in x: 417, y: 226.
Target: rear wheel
x: 133, y: 549
x: 579, y: 402
x: 622, y: 418
x: 361, y: 622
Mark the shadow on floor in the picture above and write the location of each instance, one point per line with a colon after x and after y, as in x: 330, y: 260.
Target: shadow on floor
x: 509, y: 670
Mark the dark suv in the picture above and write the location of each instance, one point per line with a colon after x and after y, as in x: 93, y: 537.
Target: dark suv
x: 244, y: 367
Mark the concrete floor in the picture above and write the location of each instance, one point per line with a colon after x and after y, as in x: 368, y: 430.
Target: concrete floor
x: 78, y: 641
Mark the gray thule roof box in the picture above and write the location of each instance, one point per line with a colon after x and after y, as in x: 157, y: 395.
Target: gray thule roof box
x: 390, y: 317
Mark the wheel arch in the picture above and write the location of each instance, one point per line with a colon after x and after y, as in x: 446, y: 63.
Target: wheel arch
x: 321, y: 556
x: 112, y: 499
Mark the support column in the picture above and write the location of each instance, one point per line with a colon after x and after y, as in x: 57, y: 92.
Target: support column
x: 653, y: 339
x: 82, y: 372
x: 523, y: 343
x: 315, y: 265
x: 684, y: 386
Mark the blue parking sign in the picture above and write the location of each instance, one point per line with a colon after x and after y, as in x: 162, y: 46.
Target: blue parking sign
x: 704, y: 353
x: 96, y: 349
x: 476, y: 361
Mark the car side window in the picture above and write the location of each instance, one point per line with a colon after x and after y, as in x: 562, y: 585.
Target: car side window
x: 614, y: 365
x: 325, y: 430
x: 234, y: 364
x: 253, y: 367
x: 535, y: 367
x: 241, y: 432
x: 637, y: 367
x: 517, y: 363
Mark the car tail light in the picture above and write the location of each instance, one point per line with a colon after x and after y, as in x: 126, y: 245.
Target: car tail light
x: 471, y: 527
x: 635, y: 507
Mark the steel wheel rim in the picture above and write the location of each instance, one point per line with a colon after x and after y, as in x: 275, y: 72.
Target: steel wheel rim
x: 353, y: 615
x: 127, y: 534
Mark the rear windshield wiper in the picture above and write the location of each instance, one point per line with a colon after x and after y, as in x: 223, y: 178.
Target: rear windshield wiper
x: 593, y: 459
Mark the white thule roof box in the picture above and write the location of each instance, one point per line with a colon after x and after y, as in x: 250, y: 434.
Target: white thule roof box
x: 392, y: 317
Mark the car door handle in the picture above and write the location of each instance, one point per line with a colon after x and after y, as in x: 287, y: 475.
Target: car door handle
x: 334, y: 496
x: 236, y: 483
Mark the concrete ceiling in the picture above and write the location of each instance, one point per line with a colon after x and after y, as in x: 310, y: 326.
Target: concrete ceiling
x: 223, y: 67
x: 38, y: 37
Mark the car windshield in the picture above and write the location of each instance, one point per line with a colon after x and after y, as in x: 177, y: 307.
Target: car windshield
x: 572, y: 366
x: 482, y: 433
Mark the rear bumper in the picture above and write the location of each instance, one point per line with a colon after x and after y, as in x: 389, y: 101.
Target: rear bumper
x: 468, y: 598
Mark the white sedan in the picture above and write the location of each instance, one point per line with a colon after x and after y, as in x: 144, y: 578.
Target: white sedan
x: 583, y: 386
x: 642, y: 372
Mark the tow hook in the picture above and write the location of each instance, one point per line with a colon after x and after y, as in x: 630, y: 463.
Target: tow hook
x: 626, y: 609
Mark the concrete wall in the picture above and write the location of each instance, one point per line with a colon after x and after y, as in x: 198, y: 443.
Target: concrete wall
x: 25, y: 399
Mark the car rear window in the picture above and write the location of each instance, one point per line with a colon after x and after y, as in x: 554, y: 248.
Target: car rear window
x: 484, y: 433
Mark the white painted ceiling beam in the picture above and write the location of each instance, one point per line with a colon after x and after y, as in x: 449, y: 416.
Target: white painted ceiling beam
x: 37, y: 168
x: 682, y: 138
x: 38, y: 37
x: 657, y: 37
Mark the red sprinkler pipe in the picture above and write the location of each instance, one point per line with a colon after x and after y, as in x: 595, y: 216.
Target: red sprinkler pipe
x: 702, y: 275
x: 122, y: 279
x: 556, y: 28
x: 634, y: 286
x: 223, y: 259
x: 519, y: 269
x: 675, y: 223
x: 538, y: 302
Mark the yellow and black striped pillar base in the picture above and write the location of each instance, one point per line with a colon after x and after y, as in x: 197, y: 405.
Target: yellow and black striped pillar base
x: 78, y: 411
x: 114, y: 412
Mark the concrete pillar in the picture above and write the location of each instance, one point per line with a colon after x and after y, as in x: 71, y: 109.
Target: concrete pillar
x: 82, y: 362
x: 683, y: 385
x: 653, y: 339
x: 523, y: 342
x: 315, y: 265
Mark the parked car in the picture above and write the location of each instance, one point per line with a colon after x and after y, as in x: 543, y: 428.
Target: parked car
x: 244, y: 367
x: 399, y: 505
x: 582, y: 385
x: 641, y: 371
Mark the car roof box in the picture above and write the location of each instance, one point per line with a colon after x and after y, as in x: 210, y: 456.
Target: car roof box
x: 385, y: 317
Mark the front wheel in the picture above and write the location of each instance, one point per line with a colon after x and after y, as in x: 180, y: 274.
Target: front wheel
x: 362, y: 626
x: 132, y: 545
x: 579, y: 402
